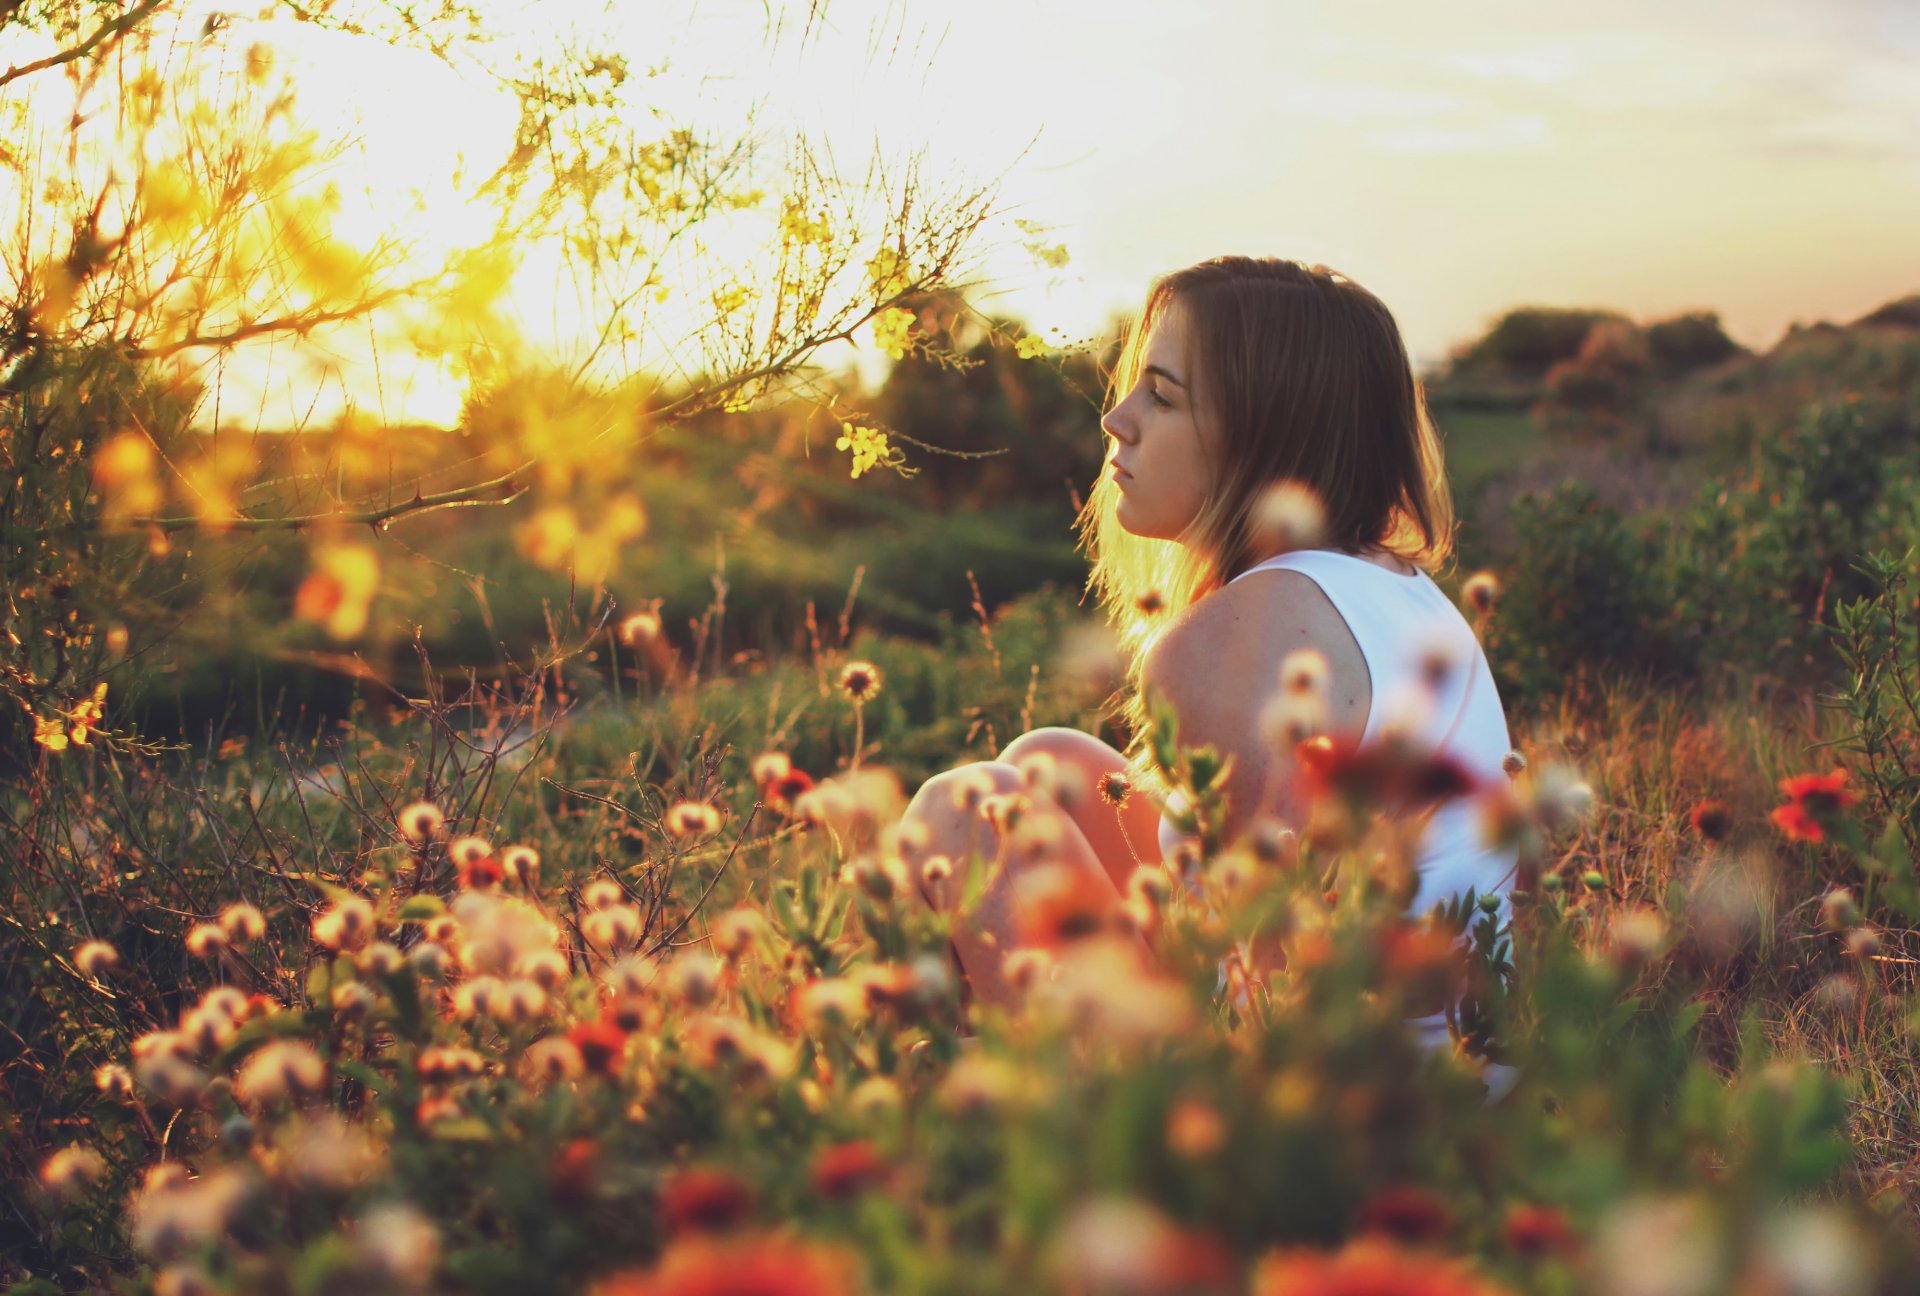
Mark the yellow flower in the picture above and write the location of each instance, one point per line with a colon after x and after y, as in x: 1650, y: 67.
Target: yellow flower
x: 50, y: 732
x: 86, y: 716
x: 869, y: 447
x: 891, y: 329
x: 1030, y: 346
x: 860, y: 680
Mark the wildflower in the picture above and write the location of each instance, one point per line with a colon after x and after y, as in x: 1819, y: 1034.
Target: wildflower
x: 881, y: 876
x: 602, y: 893
x: 544, y: 968
x: 971, y: 787
x: 466, y: 851
x: 1394, y: 775
x: 207, y: 940
x: 380, y: 959
x: 785, y: 792
x: 1025, y: 968
x: 693, y: 977
x: 280, y: 1071
x: 1812, y: 801
x: 167, y: 1072
x: 1513, y: 763
x: 1710, y: 819
x: 1114, y: 788
x: 94, y: 958
x: 1536, y: 1230
x: 1057, y: 904
x: 346, y: 924
x: 691, y: 819
x: 1408, y: 1214
x: 521, y: 864
x: 1560, y: 796
x: 1287, y: 515
x: 442, y: 1064
x: 177, y: 1214
x: 828, y: 1001
x: 429, y: 959
x: 1838, y: 909
x: 613, y: 928
x: 769, y: 766
x: 86, y: 716
x: 1304, y: 670
x: 1290, y: 718
x: 421, y: 822
x: 1366, y: 1265
x: 68, y: 1173
x: 640, y: 628
x: 477, y: 997
x: 1638, y: 934
x: 554, y: 1058
x: 700, y: 1199
x: 737, y: 930
x: 869, y: 447
x: 243, y: 923
x: 1482, y: 592
x: 860, y: 680
x: 1863, y: 942
x: 844, y: 1170
x: 208, y: 1029
x: 113, y: 1080
x: 602, y: 1046
x: 631, y: 975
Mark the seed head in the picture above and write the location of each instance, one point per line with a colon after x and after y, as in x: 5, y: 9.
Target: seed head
x: 421, y: 822
x: 689, y: 819
x: 1287, y: 515
x: 1481, y: 592
x: 860, y: 680
x: 243, y: 924
x: 207, y: 940
x: 94, y: 958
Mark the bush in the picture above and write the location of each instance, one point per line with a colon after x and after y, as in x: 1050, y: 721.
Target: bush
x: 1684, y: 343
x: 1530, y: 340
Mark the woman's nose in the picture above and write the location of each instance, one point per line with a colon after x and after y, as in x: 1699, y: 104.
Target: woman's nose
x: 1112, y: 424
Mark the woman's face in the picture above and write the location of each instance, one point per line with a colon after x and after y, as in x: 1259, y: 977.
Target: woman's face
x: 1157, y: 429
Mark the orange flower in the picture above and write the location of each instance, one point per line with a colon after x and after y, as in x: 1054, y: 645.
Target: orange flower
x: 782, y: 792
x: 761, y: 1266
x: 847, y: 1169
x: 1057, y: 904
x: 700, y: 1199
x: 860, y: 680
x: 1114, y: 788
x: 602, y: 1045
x: 1367, y: 1266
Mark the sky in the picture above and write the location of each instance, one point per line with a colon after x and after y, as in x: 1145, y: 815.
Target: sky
x: 1760, y: 158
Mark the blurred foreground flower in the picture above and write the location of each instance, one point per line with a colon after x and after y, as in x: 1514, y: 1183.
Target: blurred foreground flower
x: 758, y: 1266
x: 1368, y: 1266
x: 1812, y: 802
x: 340, y: 589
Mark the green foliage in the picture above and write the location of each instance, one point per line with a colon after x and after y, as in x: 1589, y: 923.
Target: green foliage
x: 1529, y: 340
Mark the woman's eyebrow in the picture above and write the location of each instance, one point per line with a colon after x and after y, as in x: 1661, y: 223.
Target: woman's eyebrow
x: 1156, y: 369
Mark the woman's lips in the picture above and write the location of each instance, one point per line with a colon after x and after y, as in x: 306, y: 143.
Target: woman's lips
x: 1119, y: 472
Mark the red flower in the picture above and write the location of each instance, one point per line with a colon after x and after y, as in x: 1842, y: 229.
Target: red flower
x: 1395, y: 777
x: 481, y: 871
x: 703, y: 1200
x: 846, y: 1169
x: 762, y: 1266
x: 602, y: 1045
x: 1710, y: 820
x: 782, y: 792
x: 1812, y: 800
x: 1407, y: 1214
x: 1535, y: 1230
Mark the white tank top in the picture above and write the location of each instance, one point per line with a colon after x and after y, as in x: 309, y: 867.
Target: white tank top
x: 1395, y: 618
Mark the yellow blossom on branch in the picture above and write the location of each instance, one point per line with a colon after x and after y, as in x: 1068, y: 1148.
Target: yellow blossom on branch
x: 891, y: 329
x: 1030, y: 346
x: 869, y: 446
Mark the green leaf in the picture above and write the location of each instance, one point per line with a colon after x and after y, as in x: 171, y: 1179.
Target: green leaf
x: 422, y: 907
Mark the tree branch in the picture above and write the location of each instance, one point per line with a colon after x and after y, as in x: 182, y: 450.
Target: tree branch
x: 107, y: 31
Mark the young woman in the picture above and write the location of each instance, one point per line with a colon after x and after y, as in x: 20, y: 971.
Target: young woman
x: 1240, y: 374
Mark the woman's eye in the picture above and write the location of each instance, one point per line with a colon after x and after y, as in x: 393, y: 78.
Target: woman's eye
x: 1159, y: 400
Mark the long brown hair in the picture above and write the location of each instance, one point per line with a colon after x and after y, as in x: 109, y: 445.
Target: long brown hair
x: 1306, y: 377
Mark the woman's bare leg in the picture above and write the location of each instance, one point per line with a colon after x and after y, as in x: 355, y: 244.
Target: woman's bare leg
x: 1121, y: 836
x: 937, y: 822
